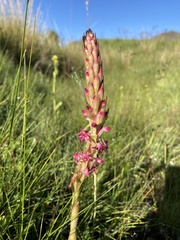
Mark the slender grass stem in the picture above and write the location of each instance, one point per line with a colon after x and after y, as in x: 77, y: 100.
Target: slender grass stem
x: 18, y: 76
x: 55, y: 73
x: 23, y: 163
x: 31, y: 51
x: 54, y: 93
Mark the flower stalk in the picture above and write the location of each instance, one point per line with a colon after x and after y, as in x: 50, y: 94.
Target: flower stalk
x: 55, y: 73
x: 96, y: 114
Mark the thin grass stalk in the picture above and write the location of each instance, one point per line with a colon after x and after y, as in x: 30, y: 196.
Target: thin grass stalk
x: 18, y: 76
x: 55, y: 72
x: 41, y: 227
x: 23, y: 164
x: 51, y: 232
x: 31, y: 51
x: 24, y: 131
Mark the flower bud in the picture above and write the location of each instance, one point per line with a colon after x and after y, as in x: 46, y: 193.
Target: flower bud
x: 95, y: 52
x: 91, y: 90
x: 100, y: 117
x: 96, y: 103
x: 96, y: 84
x: 86, y: 62
x: 86, y: 93
x: 88, y: 113
x: 100, y: 75
x: 91, y: 59
x: 87, y: 78
x: 103, y: 105
x: 101, y: 91
x: 91, y: 74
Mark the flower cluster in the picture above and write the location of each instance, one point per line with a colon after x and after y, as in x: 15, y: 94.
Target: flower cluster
x: 95, y: 111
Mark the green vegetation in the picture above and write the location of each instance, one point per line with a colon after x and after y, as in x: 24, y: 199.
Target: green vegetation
x: 45, y: 42
x: 138, y: 184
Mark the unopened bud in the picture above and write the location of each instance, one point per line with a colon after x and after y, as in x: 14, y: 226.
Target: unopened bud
x: 96, y: 68
x: 86, y: 93
x: 91, y: 90
x: 96, y: 103
x: 96, y: 84
x: 101, y: 92
x: 91, y: 74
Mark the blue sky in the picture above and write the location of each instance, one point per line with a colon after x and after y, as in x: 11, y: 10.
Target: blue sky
x: 110, y: 18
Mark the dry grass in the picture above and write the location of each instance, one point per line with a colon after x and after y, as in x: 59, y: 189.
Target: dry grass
x: 45, y: 42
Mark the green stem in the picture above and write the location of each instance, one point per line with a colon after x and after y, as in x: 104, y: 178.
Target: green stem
x: 55, y: 73
x: 95, y: 199
x: 76, y: 183
x: 23, y: 163
x: 18, y: 76
x: 74, y: 215
x: 94, y: 137
x: 54, y: 93
x: 95, y: 195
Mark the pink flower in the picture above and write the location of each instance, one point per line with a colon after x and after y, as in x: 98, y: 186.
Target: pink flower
x: 77, y: 157
x: 93, y: 169
x: 99, y: 160
x: 104, y: 129
x: 95, y: 110
x: 88, y: 113
x: 102, y: 146
x: 86, y: 172
x: 83, y: 157
x: 83, y: 135
x: 86, y: 157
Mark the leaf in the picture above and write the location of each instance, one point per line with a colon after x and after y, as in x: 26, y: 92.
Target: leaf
x: 58, y: 105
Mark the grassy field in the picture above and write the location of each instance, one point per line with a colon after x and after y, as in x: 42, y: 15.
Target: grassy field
x: 137, y: 185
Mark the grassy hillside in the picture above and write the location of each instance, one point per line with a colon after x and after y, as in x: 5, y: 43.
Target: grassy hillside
x: 138, y: 184
x: 170, y: 35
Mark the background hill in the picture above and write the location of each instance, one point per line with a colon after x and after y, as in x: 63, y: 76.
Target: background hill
x: 170, y: 35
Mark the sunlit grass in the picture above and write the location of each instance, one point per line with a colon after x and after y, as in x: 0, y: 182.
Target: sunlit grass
x: 142, y: 86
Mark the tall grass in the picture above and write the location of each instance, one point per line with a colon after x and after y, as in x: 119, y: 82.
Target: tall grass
x: 136, y: 194
x: 46, y: 43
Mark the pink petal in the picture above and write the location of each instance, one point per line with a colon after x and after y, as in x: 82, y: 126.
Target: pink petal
x: 104, y: 129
